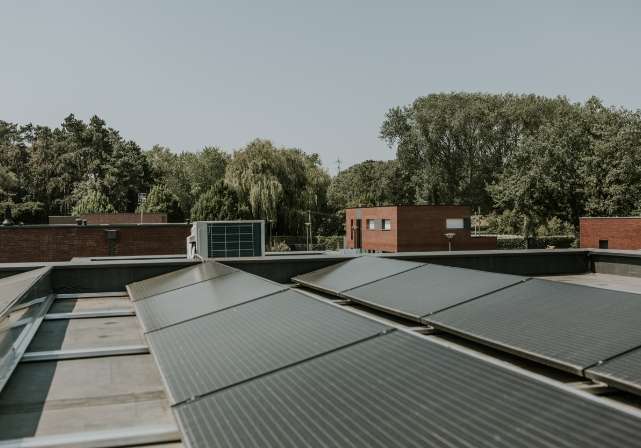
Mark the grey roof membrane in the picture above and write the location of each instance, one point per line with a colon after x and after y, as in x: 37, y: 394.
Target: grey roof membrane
x: 567, y: 326
x: 352, y: 273
x: 402, y: 390
x: 177, y: 279
x: 212, y: 295
x: 623, y: 372
x: 427, y: 289
x: 234, y: 345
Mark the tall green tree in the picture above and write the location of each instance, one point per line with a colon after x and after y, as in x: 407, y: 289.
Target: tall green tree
x: 367, y: 183
x: 219, y: 203
x: 282, y: 185
x: 93, y: 201
x: 451, y: 146
x: 161, y: 200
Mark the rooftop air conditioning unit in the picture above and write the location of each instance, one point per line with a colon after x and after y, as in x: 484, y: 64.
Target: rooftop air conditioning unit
x: 214, y: 239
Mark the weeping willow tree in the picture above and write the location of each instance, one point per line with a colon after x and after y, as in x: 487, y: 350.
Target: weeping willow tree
x: 281, y: 185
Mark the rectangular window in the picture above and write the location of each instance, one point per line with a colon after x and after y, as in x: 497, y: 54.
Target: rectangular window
x: 371, y: 224
x: 386, y: 224
x: 603, y: 244
x: 454, y: 223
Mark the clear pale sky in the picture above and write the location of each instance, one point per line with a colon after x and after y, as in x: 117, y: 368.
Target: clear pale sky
x: 316, y: 75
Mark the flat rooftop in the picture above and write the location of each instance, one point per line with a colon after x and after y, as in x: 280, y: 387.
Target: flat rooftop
x: 401, y: 350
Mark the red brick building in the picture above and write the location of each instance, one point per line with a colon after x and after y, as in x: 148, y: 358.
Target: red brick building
x: 611, y: 233
x: 64, y: 242
x: 412, y: 228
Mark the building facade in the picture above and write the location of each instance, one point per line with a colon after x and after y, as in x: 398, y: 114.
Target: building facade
x: 412, y: 228
x: 611, y: 233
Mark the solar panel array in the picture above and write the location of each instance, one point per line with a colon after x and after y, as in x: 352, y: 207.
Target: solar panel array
x: 579, y: 329
x: 255, y: 366
x: 427, y: 289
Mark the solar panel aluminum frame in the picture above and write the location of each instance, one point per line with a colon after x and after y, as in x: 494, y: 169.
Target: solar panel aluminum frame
x: 599, y: 373
x: 399, y: 313
x: 507, y: 348
x: 9, y: 362
x: 26, y: 290
x: 200, y: 438
x: 613, y: 381
x: 549, y: 361
x: 332, y: 292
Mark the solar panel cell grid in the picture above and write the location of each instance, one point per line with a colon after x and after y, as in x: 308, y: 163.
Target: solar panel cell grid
x: 353, y: 273
x: 234, y: 345
x: 400, y: 390
x: 428, y: 289
x: 568, y: 326
x: 201, y: 298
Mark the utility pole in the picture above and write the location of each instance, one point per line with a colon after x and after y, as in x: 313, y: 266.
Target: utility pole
x: 142, y: 197
x: 308, y: 230
x: 338, y: 164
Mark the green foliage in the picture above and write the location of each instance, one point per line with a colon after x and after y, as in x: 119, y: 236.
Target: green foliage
x: 333, y: 242
x: 282, y: 185
x: 25, y: 212
x: 555, y: 227
x: 161, y: 200
x: 543, y: 242
x: 92, y: 201
x: 219, y: 203
x: 451, y: 145
x: 367, y: 183
x: 8, y: 182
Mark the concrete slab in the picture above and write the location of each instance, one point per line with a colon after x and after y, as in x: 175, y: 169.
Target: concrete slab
x: 82, y: 395
x: 94, y: 304
x: 87, y: 333
x: 598, y: 280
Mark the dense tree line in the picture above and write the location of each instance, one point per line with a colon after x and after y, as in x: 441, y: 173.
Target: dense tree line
x: 537, y: 162
x: 88, y: 167
x: 532, y: 164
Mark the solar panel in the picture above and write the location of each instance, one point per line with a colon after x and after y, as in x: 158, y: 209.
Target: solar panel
x: 427, y: 289
x: 231, y: 346
x: 177, y: 279
x: 12, y: 288
x: 186, y: 303
x: 567, y: 326
x: 622, y: 372
x: 402, y: 390
x: 352, y: 273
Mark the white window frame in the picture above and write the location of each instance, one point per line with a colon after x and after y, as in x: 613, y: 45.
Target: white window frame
x: 386, y: 224
x: 455, y: 223
x: 371, y: 224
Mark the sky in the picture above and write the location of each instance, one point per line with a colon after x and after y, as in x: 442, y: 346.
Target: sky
x: 319, y: 76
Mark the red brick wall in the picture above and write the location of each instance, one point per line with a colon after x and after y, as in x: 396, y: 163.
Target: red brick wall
x: 61, y: 243
x: 621, y: 233
x: 112, y: 218
x: 415, y: 229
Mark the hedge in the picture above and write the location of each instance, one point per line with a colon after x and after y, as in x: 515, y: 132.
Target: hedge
x: 25, y: 212
x: 541, y: 242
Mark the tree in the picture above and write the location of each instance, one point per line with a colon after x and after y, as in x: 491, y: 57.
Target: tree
x: 282, y: 185
x: 451, y: 146
x: 219, y: 203
x: 8, y: 182
x: 541, y: 178
x: 161, y: 200
x: 367, y: 183
x: 93, y: 201
x: 611, y: 167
